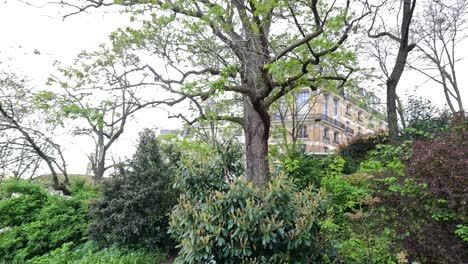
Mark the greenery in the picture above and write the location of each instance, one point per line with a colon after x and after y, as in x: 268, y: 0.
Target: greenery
x: 237, y: 222
x: 89, y: 253
x: 240, y: 73
x: 37, y: 222
x: 133, y: 207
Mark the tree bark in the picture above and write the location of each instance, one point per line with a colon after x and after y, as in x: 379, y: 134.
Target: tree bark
x: 99, y: 167
x: 400, y: 63
x: 256, y: 132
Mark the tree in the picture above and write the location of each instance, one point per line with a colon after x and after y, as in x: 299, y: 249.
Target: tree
x: 422, y: 116
x: 400, y: 36
x: 134, y: 206
x: 441, y: 29
x: 97, y: 90
x: 240, y: 47
x: 26, y: 137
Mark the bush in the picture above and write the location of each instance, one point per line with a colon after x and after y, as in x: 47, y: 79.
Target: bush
x: 356, y: 151
x: 132, y: 210
x: 442, y: 164
x: 239, y: 223
x: 304, y: 169
x: 89, y: 253
x: 53, y: 220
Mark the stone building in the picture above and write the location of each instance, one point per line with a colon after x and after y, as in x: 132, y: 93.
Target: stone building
x: 320, y: 120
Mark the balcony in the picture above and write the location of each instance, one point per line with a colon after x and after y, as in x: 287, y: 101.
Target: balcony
x: 329, y: 120
x: 349, y: 131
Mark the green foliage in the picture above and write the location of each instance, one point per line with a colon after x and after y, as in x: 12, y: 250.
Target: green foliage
x: 241, y: 223
x: 424, y: 119
x: 20, y: 202
x: 89, y: 253
x: 462, y: 232
x: 303, y: 169
x: 51, y: 221
x: 133, y: 207
x: 356, y: 151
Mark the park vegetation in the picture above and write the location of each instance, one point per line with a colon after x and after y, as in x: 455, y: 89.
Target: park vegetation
x: 207, y: 195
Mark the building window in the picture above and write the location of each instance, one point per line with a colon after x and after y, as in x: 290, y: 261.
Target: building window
x: 336, y: 137
x: 325, y: 149
x: 301, y: 101
x: 348, y: 110
x: 359, y: 133
x: 302, y: 132
x: 347, y: 126
x: 359, y: 116
x: 326, y: 132
x: 336, y: 105
x: 325, y: 104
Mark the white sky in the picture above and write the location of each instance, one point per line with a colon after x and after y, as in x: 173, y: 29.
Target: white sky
x: 24, y: 29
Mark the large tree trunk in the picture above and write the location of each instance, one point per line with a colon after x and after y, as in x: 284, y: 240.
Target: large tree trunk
x: 256, y: 132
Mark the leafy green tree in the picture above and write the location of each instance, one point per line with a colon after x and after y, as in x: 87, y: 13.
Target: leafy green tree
x: 133, y: 208
x: 253, y: 52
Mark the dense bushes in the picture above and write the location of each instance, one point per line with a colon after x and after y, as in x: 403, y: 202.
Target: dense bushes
x: 442, y: 164
x: 37, y: 222
x: 238, y: 223
x: 89, y: 253
x: 134, y: 204
x: 303, y: 169
x: 356, y: 151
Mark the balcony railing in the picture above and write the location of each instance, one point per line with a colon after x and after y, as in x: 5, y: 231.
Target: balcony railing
x: 349, y: 131
x: 332, y: 121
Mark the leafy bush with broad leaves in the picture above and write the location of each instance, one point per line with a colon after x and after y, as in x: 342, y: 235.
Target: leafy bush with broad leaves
x: 235, y: 222
x: 304, y: 169
x: 132, y: 210
x: 37, y: 222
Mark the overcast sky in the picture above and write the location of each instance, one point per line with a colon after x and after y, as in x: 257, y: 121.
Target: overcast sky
x: 26, y: 31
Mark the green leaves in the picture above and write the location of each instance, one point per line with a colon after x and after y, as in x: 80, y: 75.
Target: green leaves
x: 39, y: 221
x: 238, y: 222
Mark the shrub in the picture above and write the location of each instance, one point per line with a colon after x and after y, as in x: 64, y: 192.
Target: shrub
x: 356, y: 151
x: 132, y: 210
x: 89, y: 253
x: 54, y: 220
x: 442, y: 164
x: 238, y: 223
x: 20, y: 202
x: 304, y: 169
x: 424, y: 119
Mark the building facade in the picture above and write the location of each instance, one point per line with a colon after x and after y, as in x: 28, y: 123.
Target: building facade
x: 321, y: 120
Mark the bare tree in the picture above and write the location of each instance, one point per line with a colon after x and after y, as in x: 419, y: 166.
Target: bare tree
x: 101, y: 99
x: 26, y: 137
x: 441, y: 28
x: 399, y: 34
